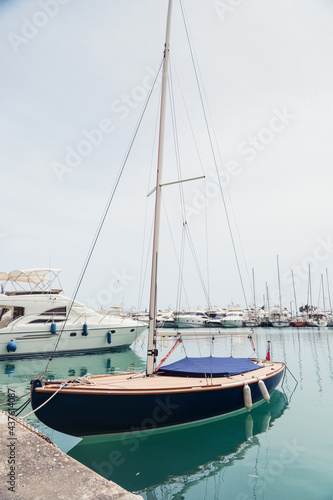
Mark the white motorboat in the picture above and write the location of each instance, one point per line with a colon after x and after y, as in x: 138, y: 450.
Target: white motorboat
x: 330, y: 320
x: 191, y: 319
x: 31, y: 321
x: 234, y: 318
x: 281, y: 323
x: 318, y: 319
x: 165, y: 320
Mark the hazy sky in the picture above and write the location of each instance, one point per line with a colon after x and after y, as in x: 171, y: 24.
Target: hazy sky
x: 74, y: 78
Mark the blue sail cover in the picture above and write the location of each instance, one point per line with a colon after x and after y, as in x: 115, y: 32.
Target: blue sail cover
x: 209, y: 366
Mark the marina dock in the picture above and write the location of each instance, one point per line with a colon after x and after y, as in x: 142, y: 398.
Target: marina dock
x: 33, y: 468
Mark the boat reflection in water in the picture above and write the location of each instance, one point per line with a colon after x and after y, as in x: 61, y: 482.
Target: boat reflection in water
x: 141, y: 461
x: 20, y: 371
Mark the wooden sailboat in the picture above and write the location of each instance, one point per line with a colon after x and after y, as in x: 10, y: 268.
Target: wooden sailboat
x: 189, y: 391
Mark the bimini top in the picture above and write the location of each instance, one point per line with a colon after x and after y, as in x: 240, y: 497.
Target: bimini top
x: 35, y: 276
x: 209, y: 366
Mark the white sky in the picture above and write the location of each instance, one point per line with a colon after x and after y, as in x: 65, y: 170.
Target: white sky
x: 259, y: 60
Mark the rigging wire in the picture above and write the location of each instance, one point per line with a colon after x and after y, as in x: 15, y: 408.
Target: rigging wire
x: 181, y: 284
x: 179, y: 262
x: 226, y: 185
x: 143, y: 272
x: 101, y: 223
x: 181, y: 191
x: 213, y: 152
x: 176, y: 143
x: 186, y: 231
x: 207, y: 248
x: 202, y: 169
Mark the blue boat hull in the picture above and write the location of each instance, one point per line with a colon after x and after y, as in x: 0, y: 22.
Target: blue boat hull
x: 102, y: 414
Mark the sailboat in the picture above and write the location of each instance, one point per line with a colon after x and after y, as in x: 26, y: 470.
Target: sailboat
x: 189, y: 391
x: 297, y: 321
x: 279, y: 319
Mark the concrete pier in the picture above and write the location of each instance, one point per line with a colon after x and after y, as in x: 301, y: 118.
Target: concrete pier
x: 33, y: 468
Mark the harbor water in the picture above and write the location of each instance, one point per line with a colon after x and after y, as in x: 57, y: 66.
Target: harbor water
x: 279, y: 450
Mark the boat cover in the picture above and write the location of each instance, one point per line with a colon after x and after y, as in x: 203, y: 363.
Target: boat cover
x: 209, y: 366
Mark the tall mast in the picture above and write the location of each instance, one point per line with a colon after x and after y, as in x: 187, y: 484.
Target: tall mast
x: 153, y: 284
x: 328, y: 289
x: 322, y: 287
x: 292, y: 274
x: 278, y: 270
x: 254, y: 294
x: 267, y: 295
x: 310, y: 291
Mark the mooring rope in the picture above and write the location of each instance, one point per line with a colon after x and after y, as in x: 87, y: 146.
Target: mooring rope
x: 85, y: 379
x: 36, y: 409
x: 22, y: 407
x: 292, y: 375
x: 7, y: 402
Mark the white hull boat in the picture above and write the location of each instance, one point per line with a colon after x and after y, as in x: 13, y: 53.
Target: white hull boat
x: 317, y: 320
x: 230, y: 323
x: 32, y: 323
x: 317, y: 323
x: 191, y: 320
x: 233, y: 320
x: 281, y: 323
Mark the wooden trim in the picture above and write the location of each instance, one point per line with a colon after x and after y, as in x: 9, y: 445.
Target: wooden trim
x: 141, y: 391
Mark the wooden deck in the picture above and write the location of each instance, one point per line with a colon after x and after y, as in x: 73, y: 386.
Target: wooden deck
x: 140, y: 383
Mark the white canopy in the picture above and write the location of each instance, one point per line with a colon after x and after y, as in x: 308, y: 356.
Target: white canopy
x: 35, y: 276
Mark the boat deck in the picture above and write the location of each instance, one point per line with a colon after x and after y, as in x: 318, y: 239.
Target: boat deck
x: 138, y: 382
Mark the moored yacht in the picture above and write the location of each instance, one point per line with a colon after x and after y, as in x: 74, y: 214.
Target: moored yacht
x: 165, y: 320
x: 234, y: 317
x: 279, y: 318
x: 317, y: 319
x: 299, y: 321
x: 33, y: 321
x: 191, y: 319
x: 252, y: 319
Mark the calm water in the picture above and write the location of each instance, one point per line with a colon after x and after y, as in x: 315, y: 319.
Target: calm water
x: 281, y: 450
